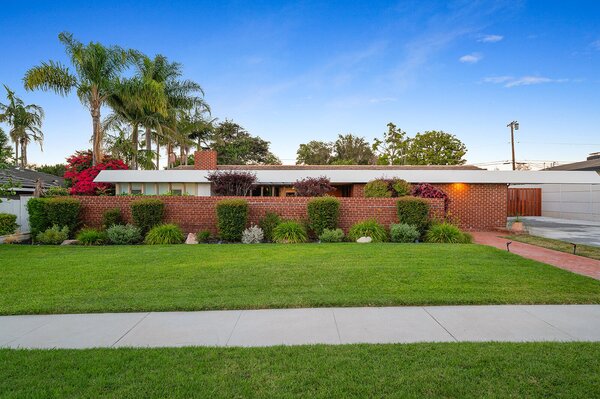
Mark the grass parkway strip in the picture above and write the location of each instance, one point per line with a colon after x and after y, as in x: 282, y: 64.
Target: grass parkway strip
x: 44, y: 279
x: 448, y: 370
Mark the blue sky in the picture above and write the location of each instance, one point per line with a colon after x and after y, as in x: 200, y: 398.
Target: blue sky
x: 295, y: 71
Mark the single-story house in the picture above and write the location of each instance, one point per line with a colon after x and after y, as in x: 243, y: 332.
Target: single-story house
x: 24, y: 182
x: 477, y: 198
x: 571, y: 199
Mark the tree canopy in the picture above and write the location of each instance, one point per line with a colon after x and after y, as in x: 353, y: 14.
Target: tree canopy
x: 436, y: 148
x: 235, y: 146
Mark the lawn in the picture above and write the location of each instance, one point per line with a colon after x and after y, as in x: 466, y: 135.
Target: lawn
x: 450, y: 370
x: 73, y: 279
x: 588, y: 251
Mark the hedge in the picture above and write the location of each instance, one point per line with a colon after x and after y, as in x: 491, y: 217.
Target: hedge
x: 8, y: 224
x: 38, y: 217
x: 147, y: 213
x: 232, y: 217
x: 413, y: 211
x: 323, y: 213
x: 64, y: 212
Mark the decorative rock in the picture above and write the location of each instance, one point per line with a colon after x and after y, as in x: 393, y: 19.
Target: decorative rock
x: 364, y: 240
x: 70, y: 242
x: 191, y: 239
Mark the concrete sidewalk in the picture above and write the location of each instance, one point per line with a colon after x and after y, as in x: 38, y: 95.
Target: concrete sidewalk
x: 304, y: 326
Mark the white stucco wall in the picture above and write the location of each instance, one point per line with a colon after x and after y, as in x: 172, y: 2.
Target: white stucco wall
x: 571, y: 201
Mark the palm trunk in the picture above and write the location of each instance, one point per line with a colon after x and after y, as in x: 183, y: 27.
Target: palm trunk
x: 23, y: 154
x: 157, y: 154
x: 97, y: 135
x: 134, y: 142
x: 148, y: 137
x: 17, y: 152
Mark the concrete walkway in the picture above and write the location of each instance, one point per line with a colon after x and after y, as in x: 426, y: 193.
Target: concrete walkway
x: 574, y: 263
x: 304, y: 326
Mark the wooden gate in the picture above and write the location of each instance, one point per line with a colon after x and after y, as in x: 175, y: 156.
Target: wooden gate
x: 524, y: 202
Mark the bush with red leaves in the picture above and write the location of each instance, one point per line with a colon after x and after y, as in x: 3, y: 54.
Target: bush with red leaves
x: 313, y: 187
x: 232, y: 182
x: 81, y: 174
x: 426, y: 190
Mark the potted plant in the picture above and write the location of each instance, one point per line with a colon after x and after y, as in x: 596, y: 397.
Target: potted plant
x: 517, y: 226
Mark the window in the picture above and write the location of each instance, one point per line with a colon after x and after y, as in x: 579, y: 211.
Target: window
x: 136, y: 191
x: 176, y: 191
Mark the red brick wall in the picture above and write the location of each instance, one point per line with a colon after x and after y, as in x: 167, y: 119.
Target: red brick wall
x: 198, y: 213
x: 472, y: 206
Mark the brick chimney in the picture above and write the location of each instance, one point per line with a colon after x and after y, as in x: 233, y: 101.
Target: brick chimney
x: 205, y: 160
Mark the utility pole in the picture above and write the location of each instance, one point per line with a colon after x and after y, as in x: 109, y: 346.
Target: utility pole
x: 514, y: 125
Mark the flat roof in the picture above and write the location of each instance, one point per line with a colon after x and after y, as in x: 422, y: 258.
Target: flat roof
x: 347, y: 176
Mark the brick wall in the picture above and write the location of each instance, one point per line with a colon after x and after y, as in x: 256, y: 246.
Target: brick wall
x: 205, y: 160
x: 472, y: 206
x: 198, y: 213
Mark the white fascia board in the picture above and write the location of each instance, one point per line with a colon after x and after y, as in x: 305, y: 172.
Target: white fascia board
x: 359, y: 176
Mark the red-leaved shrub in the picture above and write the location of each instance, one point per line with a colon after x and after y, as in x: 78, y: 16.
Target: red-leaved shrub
x: 81, y: 173
x: 232, y: 182
x: 426, y: 190
x: 313, y: 187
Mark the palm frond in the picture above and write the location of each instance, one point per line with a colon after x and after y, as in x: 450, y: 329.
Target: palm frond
x: 50, y: 76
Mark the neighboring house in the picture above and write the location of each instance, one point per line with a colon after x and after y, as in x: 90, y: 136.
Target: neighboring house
x: 24, y: 183
x: 573, y: 201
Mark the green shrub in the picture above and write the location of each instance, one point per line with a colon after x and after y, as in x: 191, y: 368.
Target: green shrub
x: 8, y: 224
x: 56, y: 192
x: 124, y: 234
x: 232, y: 217
x: 401, y: 187
x: 404, y: 233
x: 112, y: 216
x: 38, y: 217
x: 378, y: 188
x: 164, y: 234
x: 203, y: 236
x: 413, y: 211
x: 447, y: 233
x: 91, y: 237
x: 147, y: 213
x: 336, y: 235
x: 268, y: 223
x: 368, y: 228
x: 323, y: 213
x: 64, y: 212
x: 55, y: 235
x: 289, y: 232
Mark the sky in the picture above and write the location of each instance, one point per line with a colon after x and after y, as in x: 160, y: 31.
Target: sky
x: 291, y: 72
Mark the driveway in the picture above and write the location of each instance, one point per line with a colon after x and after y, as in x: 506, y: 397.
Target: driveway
x: 577, y: 231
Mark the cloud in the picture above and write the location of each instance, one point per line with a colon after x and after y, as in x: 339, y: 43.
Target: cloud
x: 509, y: 81
x: 491, y: 38
x: 471, y: 58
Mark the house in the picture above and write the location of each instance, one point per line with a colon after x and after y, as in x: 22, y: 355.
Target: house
x: 23, y: 185
x: 571, y: 200
x: 476, y: 198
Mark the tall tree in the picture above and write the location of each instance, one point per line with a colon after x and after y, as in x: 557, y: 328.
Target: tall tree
x: 25, y: 122
x: 436, y: 148
x: 350, y: 149
x: 235, y: 146
x: 393, y: 148
x: 97, y: 73
x: 6, y: 153
x: 314, y: 153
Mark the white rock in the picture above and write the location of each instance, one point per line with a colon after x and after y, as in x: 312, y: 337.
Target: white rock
x: 191, y: 239
x: 70, y: 242
x: 364, y: 240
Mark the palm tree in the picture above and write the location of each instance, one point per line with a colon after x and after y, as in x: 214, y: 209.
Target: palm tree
x: 97, y: 73
x: 25, y: 123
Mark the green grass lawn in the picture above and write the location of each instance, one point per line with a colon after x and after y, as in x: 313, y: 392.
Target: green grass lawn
x: 588, y: 251
x: 449, y: 370
x: 54, y: 279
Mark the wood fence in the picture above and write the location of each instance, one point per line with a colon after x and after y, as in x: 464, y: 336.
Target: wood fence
x: 524, y: 202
